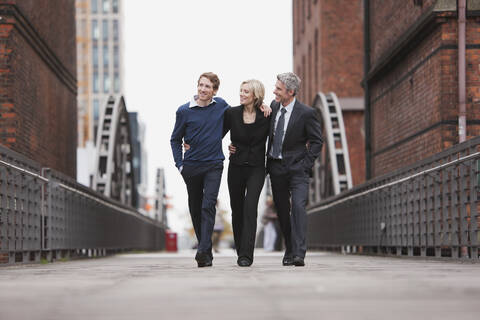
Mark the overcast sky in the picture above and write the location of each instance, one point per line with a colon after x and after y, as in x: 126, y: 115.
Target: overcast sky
x: 168, y: 44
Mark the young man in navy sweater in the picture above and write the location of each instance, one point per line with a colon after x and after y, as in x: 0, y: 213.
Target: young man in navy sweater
x: 199, y: 123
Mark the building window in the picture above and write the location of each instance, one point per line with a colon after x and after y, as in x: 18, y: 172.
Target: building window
x: 105, y: 30
x: 310, y: 87
x: 95, y: 55
x: 106, y: 83
x: 116, y: 82
x: 96, y: 113
x: 115, y: 6
x: 309, y: 10
x: 96, y: 109
x: 82, y: 26
x: 105, y: 56
x: 116, y: 58
x: 302, y: 17
x: 115, y: 30
x: 94, y: 5
x: 303, y: 76
x: 106, y: 6
x: 297, y: 21
x: 95, y: 82
x: 315, y: 58
x: 95, y: 31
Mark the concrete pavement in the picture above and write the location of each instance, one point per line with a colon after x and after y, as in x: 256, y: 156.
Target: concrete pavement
x: 170, y: 286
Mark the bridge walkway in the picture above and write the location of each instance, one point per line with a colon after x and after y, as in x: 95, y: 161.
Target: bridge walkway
x: 170, y: 286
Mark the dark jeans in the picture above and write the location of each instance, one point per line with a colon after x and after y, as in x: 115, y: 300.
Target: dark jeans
x: 290, y: 192
x: 203, y: 182
x: 244, y: 185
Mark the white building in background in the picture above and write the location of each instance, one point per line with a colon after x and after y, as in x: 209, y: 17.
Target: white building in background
x: 140, y: 162
x: 160, y: 197
x: 100, y: 70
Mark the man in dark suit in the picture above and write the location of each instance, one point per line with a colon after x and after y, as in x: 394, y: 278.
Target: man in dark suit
x: 295, y: 141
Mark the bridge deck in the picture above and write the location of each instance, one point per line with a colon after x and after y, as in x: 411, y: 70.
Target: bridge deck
x: 170, y: 286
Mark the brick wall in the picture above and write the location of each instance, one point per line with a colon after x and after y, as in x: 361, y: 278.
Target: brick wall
x: 414, y: 101
x: 328, y: 56
x: 389, y: 19
x: 37, y: 81
x: 354, y: 127
x: 330, y: 42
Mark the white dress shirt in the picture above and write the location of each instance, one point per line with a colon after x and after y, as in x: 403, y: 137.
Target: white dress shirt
x: 288, y: 113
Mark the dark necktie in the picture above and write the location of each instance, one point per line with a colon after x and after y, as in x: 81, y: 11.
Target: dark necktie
x: 278, y: 137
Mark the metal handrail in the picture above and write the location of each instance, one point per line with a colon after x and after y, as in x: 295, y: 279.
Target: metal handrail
x: 53, y: 215
x: 357, y: 195
x: 428, y: 208
x: 9, y: 165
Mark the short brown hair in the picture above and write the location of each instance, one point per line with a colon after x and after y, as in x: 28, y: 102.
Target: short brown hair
x: 212, y: 77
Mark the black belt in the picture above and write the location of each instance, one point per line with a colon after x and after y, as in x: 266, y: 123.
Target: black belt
x: 275, y: 160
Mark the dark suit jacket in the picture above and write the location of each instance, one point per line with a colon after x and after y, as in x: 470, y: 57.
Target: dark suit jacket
x: 249, y: 139
x: 303, y: 127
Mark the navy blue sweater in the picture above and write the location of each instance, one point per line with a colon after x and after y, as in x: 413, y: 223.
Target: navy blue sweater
x: 202, y: 129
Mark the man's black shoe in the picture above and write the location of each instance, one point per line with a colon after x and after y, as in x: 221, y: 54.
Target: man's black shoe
x: 244, y: 262
x: 287, y: 261
x: 204, y: 264
x: 203, y: 259
x: 298, y: 262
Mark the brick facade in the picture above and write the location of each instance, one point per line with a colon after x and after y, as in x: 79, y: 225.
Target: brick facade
x: 328, y: 57
x: 38, y: 115
x: 413, y: 81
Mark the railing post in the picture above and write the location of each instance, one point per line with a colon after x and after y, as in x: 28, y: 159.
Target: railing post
x: 474, y: 218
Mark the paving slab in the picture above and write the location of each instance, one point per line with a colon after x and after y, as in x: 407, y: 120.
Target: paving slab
x: 170, y: 286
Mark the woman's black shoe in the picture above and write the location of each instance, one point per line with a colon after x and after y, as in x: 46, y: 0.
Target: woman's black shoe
x: 244, y: 262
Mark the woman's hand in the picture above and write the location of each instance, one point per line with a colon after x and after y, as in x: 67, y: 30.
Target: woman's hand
x: 186, y: 146
x: 232, y: 149
x: 266, y: 110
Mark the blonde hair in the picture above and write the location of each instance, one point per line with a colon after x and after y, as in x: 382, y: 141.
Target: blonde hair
x: 258, y: 90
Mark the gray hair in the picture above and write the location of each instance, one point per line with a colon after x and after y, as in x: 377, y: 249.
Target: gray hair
x: 290, y: 80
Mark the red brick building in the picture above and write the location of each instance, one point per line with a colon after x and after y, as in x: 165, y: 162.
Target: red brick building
x: 38, y: 112
x: 328, y: 57
x: 412, y: 79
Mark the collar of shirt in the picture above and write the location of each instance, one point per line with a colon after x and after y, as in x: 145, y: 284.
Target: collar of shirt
x: 289, y: 106
x: 193, y: 102
x: 289, y: 109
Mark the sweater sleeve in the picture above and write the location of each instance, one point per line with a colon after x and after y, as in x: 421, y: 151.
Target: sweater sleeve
x: 177, y: 138
x: 227, y: 118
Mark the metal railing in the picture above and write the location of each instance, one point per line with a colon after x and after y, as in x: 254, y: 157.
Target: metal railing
x: 427, y: 209
x: 44, y: 213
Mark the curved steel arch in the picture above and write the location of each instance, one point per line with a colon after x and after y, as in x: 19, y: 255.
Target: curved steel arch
x: 113, y: 175
x: 332, y: 173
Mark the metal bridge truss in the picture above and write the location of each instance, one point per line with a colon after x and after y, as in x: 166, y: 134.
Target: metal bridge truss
x: 113, y: 176
x: 332, y: 173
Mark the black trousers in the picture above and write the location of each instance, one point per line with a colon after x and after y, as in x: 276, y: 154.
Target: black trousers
x: 244, y: 185
x: 290, y: 193
x: 203, y: 182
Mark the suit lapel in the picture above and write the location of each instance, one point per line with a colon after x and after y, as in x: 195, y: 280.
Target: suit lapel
x: 291, y: 121
x: 275, y: 107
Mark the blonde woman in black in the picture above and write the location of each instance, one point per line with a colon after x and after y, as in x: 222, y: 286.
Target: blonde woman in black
x: 249, y: 129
